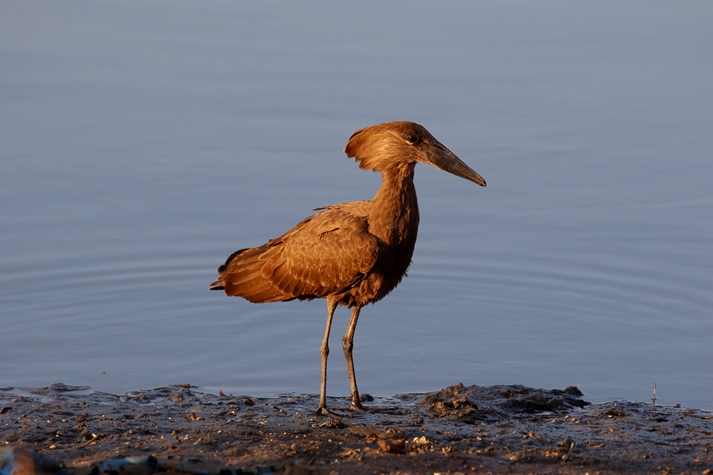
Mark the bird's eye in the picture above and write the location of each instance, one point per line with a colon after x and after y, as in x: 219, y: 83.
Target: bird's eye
x: 413, y: 139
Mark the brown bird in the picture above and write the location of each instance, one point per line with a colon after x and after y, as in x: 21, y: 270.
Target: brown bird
x: 354, y: 253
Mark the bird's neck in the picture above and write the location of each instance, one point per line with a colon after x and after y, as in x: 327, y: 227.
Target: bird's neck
x: 394, y: 214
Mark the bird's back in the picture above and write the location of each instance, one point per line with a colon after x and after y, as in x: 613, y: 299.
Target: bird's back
x: 329, y: 253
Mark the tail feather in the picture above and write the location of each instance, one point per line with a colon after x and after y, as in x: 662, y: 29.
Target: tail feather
x: 217, y: 285
x: 242, y: 275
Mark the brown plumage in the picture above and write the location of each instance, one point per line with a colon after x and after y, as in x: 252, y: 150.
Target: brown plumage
x: 354, y: 253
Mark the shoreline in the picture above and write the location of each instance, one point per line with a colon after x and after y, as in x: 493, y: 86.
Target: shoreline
x: 458, y: 429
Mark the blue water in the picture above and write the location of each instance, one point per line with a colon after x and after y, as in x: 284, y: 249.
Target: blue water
x: 144, y: 142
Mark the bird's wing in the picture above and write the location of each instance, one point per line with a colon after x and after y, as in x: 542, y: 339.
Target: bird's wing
x: 325, y: 254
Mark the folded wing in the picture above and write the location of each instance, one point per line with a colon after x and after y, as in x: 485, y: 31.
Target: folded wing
x: 325, y: 254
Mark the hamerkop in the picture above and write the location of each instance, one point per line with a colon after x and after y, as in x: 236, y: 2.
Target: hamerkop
x: 354, y: 253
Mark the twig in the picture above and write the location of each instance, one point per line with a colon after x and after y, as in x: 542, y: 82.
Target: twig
x: 569, y: 452
x: 699, y: 416
x: 94, y: 438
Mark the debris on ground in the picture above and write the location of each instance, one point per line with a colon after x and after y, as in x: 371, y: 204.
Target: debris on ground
x: 70, y: 430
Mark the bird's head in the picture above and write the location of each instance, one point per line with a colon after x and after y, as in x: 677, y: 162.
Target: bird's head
x: 396, y: 144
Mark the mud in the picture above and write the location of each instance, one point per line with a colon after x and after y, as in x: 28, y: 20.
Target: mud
x: 70, y: 430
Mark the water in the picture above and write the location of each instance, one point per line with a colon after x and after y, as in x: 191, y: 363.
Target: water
x: 144, y: 142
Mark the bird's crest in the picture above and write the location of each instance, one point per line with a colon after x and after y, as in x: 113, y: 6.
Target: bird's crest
x: 384, y: 145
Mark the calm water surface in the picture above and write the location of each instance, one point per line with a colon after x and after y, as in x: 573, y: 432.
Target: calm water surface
x: 144, y: 142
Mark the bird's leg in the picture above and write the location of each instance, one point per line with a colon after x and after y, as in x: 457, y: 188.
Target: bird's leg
x: 348, y: 345
x: 324, y: 351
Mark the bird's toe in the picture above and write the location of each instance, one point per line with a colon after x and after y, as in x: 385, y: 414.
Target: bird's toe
x: 323, y: 411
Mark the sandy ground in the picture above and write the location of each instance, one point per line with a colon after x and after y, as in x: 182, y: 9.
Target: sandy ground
x: 500, y: 429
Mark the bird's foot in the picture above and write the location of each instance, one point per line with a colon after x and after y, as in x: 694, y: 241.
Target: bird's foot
x: 323, y: 411
x: 358, y: 408
x: 353, y: 408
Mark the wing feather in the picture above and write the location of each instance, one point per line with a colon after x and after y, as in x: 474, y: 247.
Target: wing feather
x: 324, y: 254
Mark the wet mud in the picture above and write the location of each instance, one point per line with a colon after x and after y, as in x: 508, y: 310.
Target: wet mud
x: 68, y: 430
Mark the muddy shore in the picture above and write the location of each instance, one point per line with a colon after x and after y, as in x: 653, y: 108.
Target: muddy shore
x: 70, y: 430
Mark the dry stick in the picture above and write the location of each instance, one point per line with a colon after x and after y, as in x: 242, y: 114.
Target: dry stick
x: 94, y: 438
x: 569, y: 453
